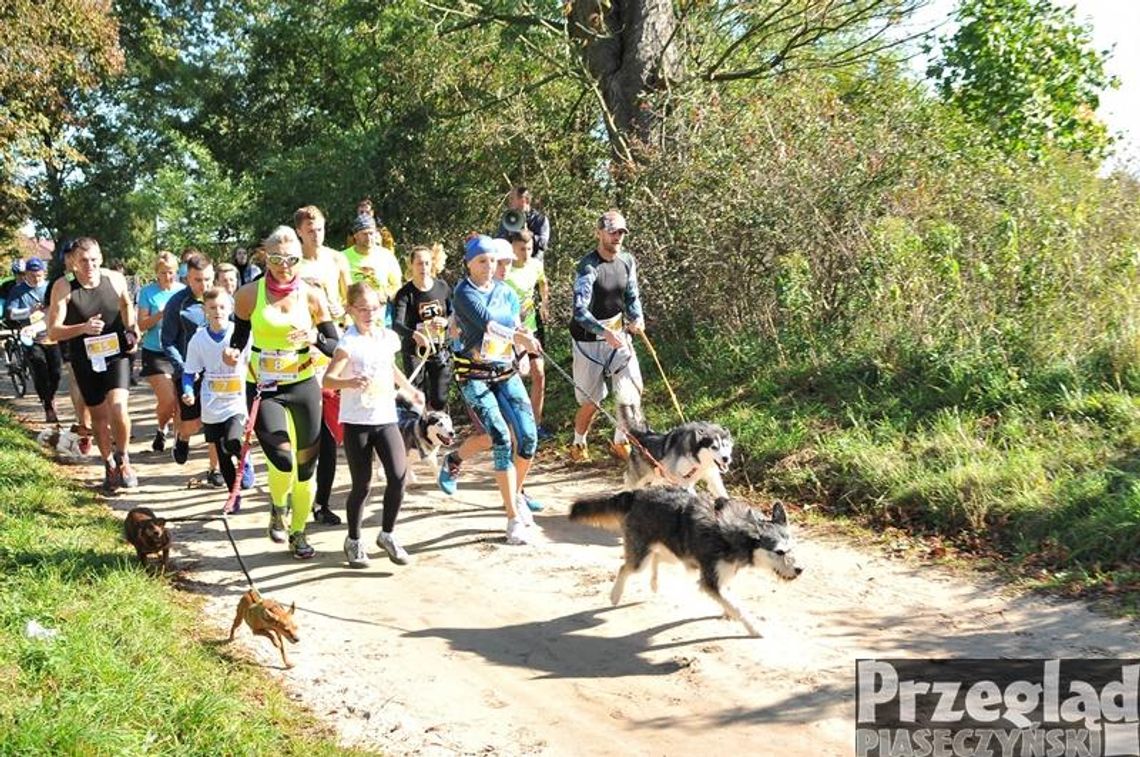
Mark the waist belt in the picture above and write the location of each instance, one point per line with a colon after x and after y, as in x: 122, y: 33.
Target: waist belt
x: 465, y: 369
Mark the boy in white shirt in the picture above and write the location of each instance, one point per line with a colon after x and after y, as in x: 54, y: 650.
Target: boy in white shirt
x: 223, y: 386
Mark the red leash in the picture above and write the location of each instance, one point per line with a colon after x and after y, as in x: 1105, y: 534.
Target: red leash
x: 246, y: 444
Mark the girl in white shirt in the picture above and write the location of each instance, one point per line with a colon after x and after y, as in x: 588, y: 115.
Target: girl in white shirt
x: 364, y: 370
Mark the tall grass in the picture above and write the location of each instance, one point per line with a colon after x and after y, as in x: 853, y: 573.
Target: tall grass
x: 129, y: 672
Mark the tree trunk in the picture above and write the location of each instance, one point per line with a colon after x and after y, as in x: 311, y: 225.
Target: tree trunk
x: 628, y: 48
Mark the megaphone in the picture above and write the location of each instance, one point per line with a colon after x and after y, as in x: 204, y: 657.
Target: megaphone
x: 514, y: 220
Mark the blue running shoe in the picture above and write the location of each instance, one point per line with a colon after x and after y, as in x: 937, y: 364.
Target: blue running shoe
x: 543, y: 434
x: 532, y: 504
x: 448, y: 479
x: 247, y: 479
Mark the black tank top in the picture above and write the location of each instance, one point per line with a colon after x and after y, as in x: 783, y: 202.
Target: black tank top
x: 84, y: 303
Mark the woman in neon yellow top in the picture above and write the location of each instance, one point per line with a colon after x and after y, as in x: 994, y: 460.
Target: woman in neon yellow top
x: 279, y: 310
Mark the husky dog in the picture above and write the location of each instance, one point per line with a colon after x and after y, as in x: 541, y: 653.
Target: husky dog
x: 716, y: 540
x: 424, y: 433
x: 688, y: 453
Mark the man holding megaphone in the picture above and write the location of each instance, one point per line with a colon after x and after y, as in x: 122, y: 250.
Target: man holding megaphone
x: 520, y: 215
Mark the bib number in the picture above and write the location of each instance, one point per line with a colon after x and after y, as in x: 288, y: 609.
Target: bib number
x: 99, y: 348
x: 279, y: 366
x: 224, y: 385
x: 497, y: 341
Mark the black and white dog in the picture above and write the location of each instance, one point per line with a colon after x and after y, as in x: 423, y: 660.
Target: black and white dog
x: 424, y: 434
x: 716, y: 539
x: 688, y: 453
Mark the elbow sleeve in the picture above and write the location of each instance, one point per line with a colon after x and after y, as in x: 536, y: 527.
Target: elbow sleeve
x: 327, y: 338
x: 240, y: 337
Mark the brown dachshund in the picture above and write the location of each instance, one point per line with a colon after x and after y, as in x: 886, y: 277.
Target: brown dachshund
x: 268, y: 618
x: 147, y: 534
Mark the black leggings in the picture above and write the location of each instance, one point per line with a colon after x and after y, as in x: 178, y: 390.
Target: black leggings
x: 326, y: 467
x: 302, y: 400
x: 227, y: 438
x: 434, y: 380
x: 46, y: 365
x: 360, y: 442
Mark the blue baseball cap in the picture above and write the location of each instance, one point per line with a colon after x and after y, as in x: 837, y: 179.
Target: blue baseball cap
x: 476, y: 246
x: 35, y: 264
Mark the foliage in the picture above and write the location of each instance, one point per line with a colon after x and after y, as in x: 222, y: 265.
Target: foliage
x: 1025, y: 72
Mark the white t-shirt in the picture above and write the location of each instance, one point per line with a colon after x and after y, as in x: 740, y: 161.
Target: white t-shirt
x: 223, y: 386
x: 372, y: 356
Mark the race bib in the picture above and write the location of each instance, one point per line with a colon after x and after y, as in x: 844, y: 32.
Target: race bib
x: 282, y: 366
x: 612, y: 324
x: 224, y: 384
x: 497, y: 341
x: 99, y: 348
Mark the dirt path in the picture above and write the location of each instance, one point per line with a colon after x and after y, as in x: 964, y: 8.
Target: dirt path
x: 478, y: 647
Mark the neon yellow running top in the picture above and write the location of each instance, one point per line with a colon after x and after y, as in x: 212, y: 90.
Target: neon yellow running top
x: 275, y: 356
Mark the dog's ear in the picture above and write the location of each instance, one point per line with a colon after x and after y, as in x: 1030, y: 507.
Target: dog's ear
x: 779, y: 517
x: 293, y: 607
x: 721, y: 503
x: 160, y: 522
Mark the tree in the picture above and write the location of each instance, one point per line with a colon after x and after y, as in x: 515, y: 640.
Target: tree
x: 1026, y: 72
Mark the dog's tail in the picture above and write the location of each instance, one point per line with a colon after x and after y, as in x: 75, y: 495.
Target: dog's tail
x: 606, y: 511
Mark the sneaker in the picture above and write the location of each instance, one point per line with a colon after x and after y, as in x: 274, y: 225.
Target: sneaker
x: 237, y: 505
x: 531, y: 503
x: 516, y: 532
x: 181, y: 451
x: 620, y: 450
x: 159, y: 443
x: 50, y: 415
x: 85, y: 445
x: 325, y: 516
x: 579, y: 453
x: 396, y: 553
x: 300, y: 547
x: 543, y: 434
x: 247, y: 480
x: 277, y: 524
x: 448, y: 478
x: 110, y: 477
x: 127, y: 476
x: 355, y: 553
x: 216, y: 479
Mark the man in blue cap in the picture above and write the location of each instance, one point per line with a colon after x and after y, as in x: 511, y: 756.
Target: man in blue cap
x: 25, y: 308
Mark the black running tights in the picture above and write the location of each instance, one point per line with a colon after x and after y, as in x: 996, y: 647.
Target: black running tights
x: 360, y: 443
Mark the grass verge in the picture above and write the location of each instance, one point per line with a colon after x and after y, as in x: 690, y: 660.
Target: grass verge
x: 128, y: 672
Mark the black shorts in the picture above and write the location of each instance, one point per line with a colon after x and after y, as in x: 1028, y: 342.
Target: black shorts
x: 189, y: 412
x: 230, y: 428
x: 156, y: 364
x: 94, y: 385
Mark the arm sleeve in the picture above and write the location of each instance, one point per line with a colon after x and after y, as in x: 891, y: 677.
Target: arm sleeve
x: 327, y: 337
x: 400, y: 314
x: 583, y: 294
x: 240, y: 338
x: 190, y: 368
x: 632, y: 294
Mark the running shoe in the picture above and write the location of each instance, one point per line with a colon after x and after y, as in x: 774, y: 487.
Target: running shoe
x: 127, y: 476
x: 355, y: 553
x: 300, y: 547
x: 325, y: 516
x: 579, y: 453
x: 531, y: 503
x: 237, y: 505
x: 448, y: 479
x: 620, y: 450
x: 110, y: 477
x: 216, y: 479
x: 277, y: 524
x: 159, y: 443
x: 50, y: 416
x: 396, y: 553
x: 247, y: 479
x: 181, y: 451
x: 516, y: 532
x: 85, y: 445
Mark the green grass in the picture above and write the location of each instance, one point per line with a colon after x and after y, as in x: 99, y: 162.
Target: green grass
x: 1040, y: 468
x: 129, y: 672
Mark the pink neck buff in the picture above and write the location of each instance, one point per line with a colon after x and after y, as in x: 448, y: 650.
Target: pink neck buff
x: 281, y: 290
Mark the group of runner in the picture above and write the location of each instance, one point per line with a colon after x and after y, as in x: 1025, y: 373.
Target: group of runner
x: 308, y: 345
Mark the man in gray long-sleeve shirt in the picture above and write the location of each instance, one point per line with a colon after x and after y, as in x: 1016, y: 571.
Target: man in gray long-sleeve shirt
x: 607, y: 309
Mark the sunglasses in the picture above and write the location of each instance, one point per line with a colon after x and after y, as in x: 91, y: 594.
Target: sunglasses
x: 285, y: 260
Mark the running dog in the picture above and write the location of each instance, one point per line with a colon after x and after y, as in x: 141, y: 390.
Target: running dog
x: 425, y: 434
x: 147, y: 534
x: 717, y: 540
x: 268, y: 618
x: 688, y: 453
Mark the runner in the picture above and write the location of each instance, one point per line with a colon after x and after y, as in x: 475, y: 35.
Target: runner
x: 26, y: 309
x: 95, y: 315
x: 370, y: 261
x: 220, y: 386
x: 157, y: 368
x: 526, y: 276
x: 183, y: 315
x: 364, y: 371
x: 279, y: 311
x: 227, y: 278
x: 326, y: 269
x: 422, y: 308
x: 486, y: 312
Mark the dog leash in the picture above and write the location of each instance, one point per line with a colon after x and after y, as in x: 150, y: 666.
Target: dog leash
x: 423, y: 353
x: 661, y: 470
x: 668, y: 386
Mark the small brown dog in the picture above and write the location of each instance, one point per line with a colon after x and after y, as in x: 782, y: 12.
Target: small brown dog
x: 147, y: 534
x: 268, y: 618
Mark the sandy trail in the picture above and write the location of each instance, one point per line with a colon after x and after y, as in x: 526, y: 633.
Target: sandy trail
x: 479, y: 647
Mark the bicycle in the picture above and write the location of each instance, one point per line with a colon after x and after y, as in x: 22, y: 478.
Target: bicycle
x: 19, y: 372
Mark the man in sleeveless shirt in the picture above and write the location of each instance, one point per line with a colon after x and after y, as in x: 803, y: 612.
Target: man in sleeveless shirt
x: 607, y: 310
x: 94, y: 314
